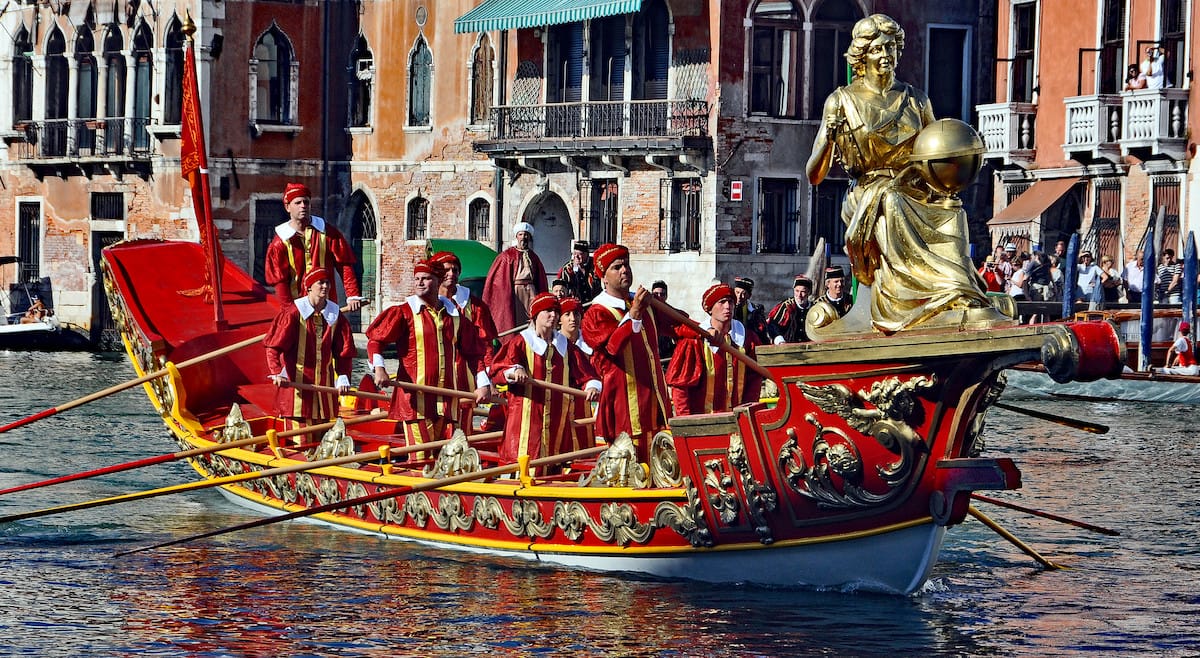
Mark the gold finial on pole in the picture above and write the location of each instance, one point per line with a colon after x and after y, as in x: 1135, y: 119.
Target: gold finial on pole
x: 189, y: 27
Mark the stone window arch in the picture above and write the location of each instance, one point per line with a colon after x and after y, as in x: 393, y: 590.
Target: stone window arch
x: 22, y: 63
x: 420, y: 83
x: 483, y: 61
x: 274, y: 79
x: 362, y: 82
x: 417, y: 226
x: 173, y: 73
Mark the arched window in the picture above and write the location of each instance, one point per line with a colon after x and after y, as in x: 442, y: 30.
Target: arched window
x: 272, y: 66
x: 114, y: 91
x: 85, y: 93
x: 832, y: 24
x: 775, y: 60
x: 54, y: 140
x: 173, y: 76
x: 479, y: 215
x: 481, y: 80
x: 22, y: 98
x: 420, y: 82
x: 418, y: 219
x: 362, y: 79
x: 143, y: 82
x: 364, y: 234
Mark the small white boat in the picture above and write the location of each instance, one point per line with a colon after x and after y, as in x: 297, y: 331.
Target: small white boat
x: 1130, y: 386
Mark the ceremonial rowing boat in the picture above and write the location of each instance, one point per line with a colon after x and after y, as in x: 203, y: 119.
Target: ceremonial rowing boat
x: 849, y: 481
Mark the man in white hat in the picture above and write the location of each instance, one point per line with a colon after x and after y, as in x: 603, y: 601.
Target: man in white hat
x: 516, y: 277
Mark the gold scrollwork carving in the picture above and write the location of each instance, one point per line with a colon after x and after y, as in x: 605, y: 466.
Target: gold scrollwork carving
x: 526, y: 519
x: 455, y: 458
x: 687, y: 520
x: 306, y: 491
x: 617, y: 466
x: 418, y: 508
x: 973, y: 442
x: 760, y: 498
x: 618, y: 523
x: 664, y: 462
x: 718, y: 485
x: 450, y: 515
x: 356, y: 490
x: 571, y: 518
x: 337, y: 442
x: 236, y: 426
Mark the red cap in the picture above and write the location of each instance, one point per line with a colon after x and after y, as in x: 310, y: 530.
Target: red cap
x: 294, y: 191
x: 714, y: 294
x: 445, y: 258
x: 544, y: 301
x: 606, y: 254
x: 429, y: 267
x: 314, y: 275
x: 568, y: 304
x: 1185, y: 327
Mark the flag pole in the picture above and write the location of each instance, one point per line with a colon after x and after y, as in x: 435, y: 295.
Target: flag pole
x: 194, y: 167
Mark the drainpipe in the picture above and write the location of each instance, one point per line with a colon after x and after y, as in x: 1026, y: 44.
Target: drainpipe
x: 326, y: 11
x: 498, y: 176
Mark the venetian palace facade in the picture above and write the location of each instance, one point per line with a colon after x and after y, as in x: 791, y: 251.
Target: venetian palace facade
x: 1073, y: 151
x: 678, y: 127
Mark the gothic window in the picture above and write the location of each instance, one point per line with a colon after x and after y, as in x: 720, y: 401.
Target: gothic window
x: 775, y: 60
x: 832, y: 24
x: 481, y: 80
x: 479, y: 215
x: 364, y: 240
x: 420, y: 83
x: 362, y: 78
x: 143, y: 82
x: 418, y: 219
x: 85, y: 93
x: 272, y: 71
x: 173, y: 76
x: 114, y: 91
x: 54, y: 136
x: 22, y: 62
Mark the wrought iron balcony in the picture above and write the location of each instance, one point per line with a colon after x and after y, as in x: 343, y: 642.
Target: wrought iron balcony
x: 619, y: 125
x: 1155, y: 122
x: 1093, y: 127
x: 1008, y: 131
x: 65, y: 141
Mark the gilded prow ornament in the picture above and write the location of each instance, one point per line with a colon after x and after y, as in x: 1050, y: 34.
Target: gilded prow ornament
x: 906, y: 231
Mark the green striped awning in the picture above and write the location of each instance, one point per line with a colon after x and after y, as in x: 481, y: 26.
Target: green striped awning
x: 495, y: 15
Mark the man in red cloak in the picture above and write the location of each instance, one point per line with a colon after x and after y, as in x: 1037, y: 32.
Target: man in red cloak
x: 516, y: 276
x: 622, y: 329
x: 310, y: 342
x: 429, y: 333
x: 305, y: 242
x: 539, y: 420
x: 704, y: 378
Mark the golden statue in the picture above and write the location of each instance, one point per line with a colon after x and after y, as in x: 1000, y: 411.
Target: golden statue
x: 906, y: 231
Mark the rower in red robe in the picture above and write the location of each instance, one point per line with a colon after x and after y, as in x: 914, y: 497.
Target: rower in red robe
x: 704, y: 378
x: 310, y: 342
x: 570, y: 323
x: 539, y: 420
x: 305, y: 242
x: 429, y: 333
x: 622, y: 329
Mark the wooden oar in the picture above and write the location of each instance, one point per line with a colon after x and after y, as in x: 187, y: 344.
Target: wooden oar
x: 130, y: 384
x: 184, y: 454
x: 1046, y: 515
x: 1012, y: 539
x: 1094, y: 428
x: 383, y: 397
x: 239, y: 477
x: 680, y: 318
x: 566, y: 390
x: 381, y: 495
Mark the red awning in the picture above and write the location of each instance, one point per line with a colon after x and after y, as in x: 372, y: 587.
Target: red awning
x: 1033, y: 202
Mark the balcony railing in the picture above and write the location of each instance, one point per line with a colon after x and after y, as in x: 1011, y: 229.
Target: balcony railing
x: 1155, y: 120
x: 601, y: 119
x: 1093, y: 126
x: 83, y: 139
x: 1008, y: 131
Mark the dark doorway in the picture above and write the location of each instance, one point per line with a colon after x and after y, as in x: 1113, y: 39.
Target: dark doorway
x: 104, y: 333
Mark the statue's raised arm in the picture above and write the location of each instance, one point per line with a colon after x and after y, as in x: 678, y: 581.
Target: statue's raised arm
x: 906, y: 232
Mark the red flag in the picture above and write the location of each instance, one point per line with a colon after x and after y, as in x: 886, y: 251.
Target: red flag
x: 194, y: 165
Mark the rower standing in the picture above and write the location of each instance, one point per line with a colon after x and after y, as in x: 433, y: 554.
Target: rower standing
x: 703, y: 378
x: 307, y: 242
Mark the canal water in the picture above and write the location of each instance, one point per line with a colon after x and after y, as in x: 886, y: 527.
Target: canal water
x: 304, y: 590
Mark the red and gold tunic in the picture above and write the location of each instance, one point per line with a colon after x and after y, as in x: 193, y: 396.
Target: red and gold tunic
x: 292, y: 253
x: 478, y: 313
x: 634, y: 398
x: 428, y: 340
x: 539, y: 420
x: 705, y: 379
x: 309, y: 348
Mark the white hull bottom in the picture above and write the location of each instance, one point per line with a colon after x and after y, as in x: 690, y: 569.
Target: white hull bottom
x: 1138, y: 390
x: 896, y: 562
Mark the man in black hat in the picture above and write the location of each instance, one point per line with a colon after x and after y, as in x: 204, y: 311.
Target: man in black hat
x: 579, y: 273
x: 748, y: 313
x: 835, y: 291
x: 785, y: 322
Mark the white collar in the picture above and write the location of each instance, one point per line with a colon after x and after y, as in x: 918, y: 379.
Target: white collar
x: 330, y: 312
x: 605, y: 299
x: 462, y: 295
x: 285, y: 230
x: 737, y: 333
x: 582, y: 345
x: 539, y: 344
x: 415, y: 303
